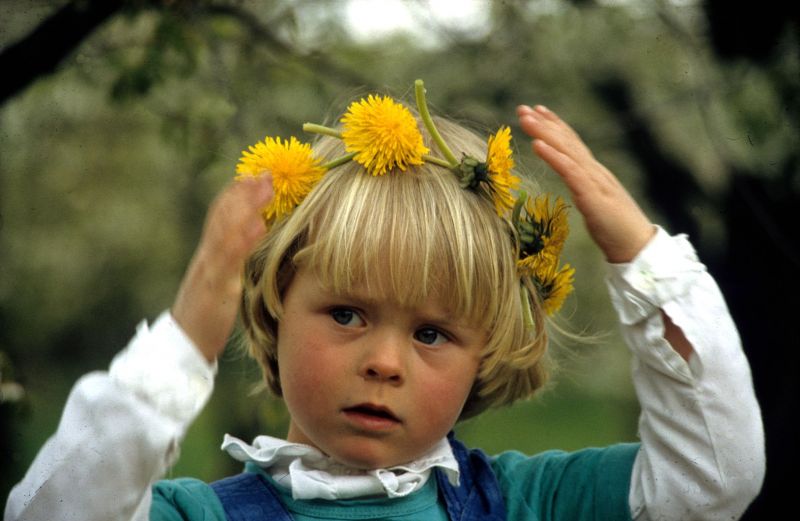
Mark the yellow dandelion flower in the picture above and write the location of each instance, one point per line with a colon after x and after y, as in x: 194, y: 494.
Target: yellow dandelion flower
x: 383, y: 134
x: 499, y: 154
x: 499, y: 163
x: 293, y: 168
x: 538, y: 262
x: 543, y: 232
x: 555, y: 285
x: 551, y: 221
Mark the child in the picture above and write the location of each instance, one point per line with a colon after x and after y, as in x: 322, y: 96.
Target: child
x: 383, y: 308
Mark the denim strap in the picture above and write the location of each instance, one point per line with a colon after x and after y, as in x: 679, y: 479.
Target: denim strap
x: 248, y: 496
x: 478, y: 497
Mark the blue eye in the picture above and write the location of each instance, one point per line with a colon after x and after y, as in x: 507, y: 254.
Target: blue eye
x: 430, y: 336
x: 346, y: 317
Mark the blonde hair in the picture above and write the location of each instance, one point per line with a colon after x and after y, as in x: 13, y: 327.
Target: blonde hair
x: 408, y: 236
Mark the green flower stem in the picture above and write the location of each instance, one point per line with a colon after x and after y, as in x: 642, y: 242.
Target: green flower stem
x: 339, y: 161
x: 422, y: 105
x: 436, y: 161
x: 321, y: 129
x: 518, y: 207
x: 527, y: 315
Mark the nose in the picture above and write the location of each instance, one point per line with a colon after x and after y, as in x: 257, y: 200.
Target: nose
x: 384, y: 360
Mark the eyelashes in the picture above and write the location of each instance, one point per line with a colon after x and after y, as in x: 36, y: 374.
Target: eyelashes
x: 346, y: 317
x: 428, y: 335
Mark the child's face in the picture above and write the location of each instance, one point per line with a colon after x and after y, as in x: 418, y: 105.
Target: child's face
x: 367, y: 382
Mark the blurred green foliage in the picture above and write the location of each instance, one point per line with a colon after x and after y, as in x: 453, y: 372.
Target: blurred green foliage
x: 107, y: 166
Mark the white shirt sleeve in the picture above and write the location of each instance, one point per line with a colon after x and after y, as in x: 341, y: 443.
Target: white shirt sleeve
x: 119, y: 433
x: 702, y: 454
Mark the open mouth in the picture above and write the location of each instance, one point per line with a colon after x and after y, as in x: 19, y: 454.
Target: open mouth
x: 377, y: 412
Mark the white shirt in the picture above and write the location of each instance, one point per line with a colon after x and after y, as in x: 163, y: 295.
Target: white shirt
x: 702, y: 436
x: 702, y: 454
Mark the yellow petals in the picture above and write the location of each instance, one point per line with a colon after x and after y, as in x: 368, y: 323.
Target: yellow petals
x: 542, y: 234
x: 383, y: 134
x: 293, y: 168
x: 554, y: 286
x: 550, y: 221
x: 500, y: 163
x: 499, y: 155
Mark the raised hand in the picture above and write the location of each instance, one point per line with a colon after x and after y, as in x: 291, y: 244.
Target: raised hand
x: 209, y: 295
x: 614, y: 220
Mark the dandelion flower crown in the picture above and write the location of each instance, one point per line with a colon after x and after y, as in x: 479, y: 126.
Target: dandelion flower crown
x: 382, y: 136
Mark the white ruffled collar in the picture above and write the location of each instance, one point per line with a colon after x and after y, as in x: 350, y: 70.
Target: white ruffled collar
x: 310, y: 474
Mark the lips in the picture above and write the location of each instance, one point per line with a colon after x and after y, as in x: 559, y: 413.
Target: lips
x: 372, y: 416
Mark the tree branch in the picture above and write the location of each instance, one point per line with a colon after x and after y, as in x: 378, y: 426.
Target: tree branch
x: 40, y: 52
x: 316, y: 61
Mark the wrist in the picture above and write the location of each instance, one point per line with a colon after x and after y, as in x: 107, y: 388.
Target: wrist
x: 634, y: 243
x: 206, y: 305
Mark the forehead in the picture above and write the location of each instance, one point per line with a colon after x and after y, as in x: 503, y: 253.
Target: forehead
x: 412, y: 239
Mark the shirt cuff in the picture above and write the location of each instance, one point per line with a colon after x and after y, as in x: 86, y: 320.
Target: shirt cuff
x: 163, y: 367
x: 666, y: 268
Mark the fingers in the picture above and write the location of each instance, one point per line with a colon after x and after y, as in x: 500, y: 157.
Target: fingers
x: 613, y: 219
x: 543, y: 124
x: 561, y: 147
x: 234, y: 223
x: 256, y: 191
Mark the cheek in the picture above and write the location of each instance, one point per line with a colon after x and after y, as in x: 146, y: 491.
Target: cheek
x: 450, y: 391
x: 305, y: 366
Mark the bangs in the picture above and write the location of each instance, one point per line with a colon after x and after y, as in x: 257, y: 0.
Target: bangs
x: 412, y: 238
x: 408, y: 237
